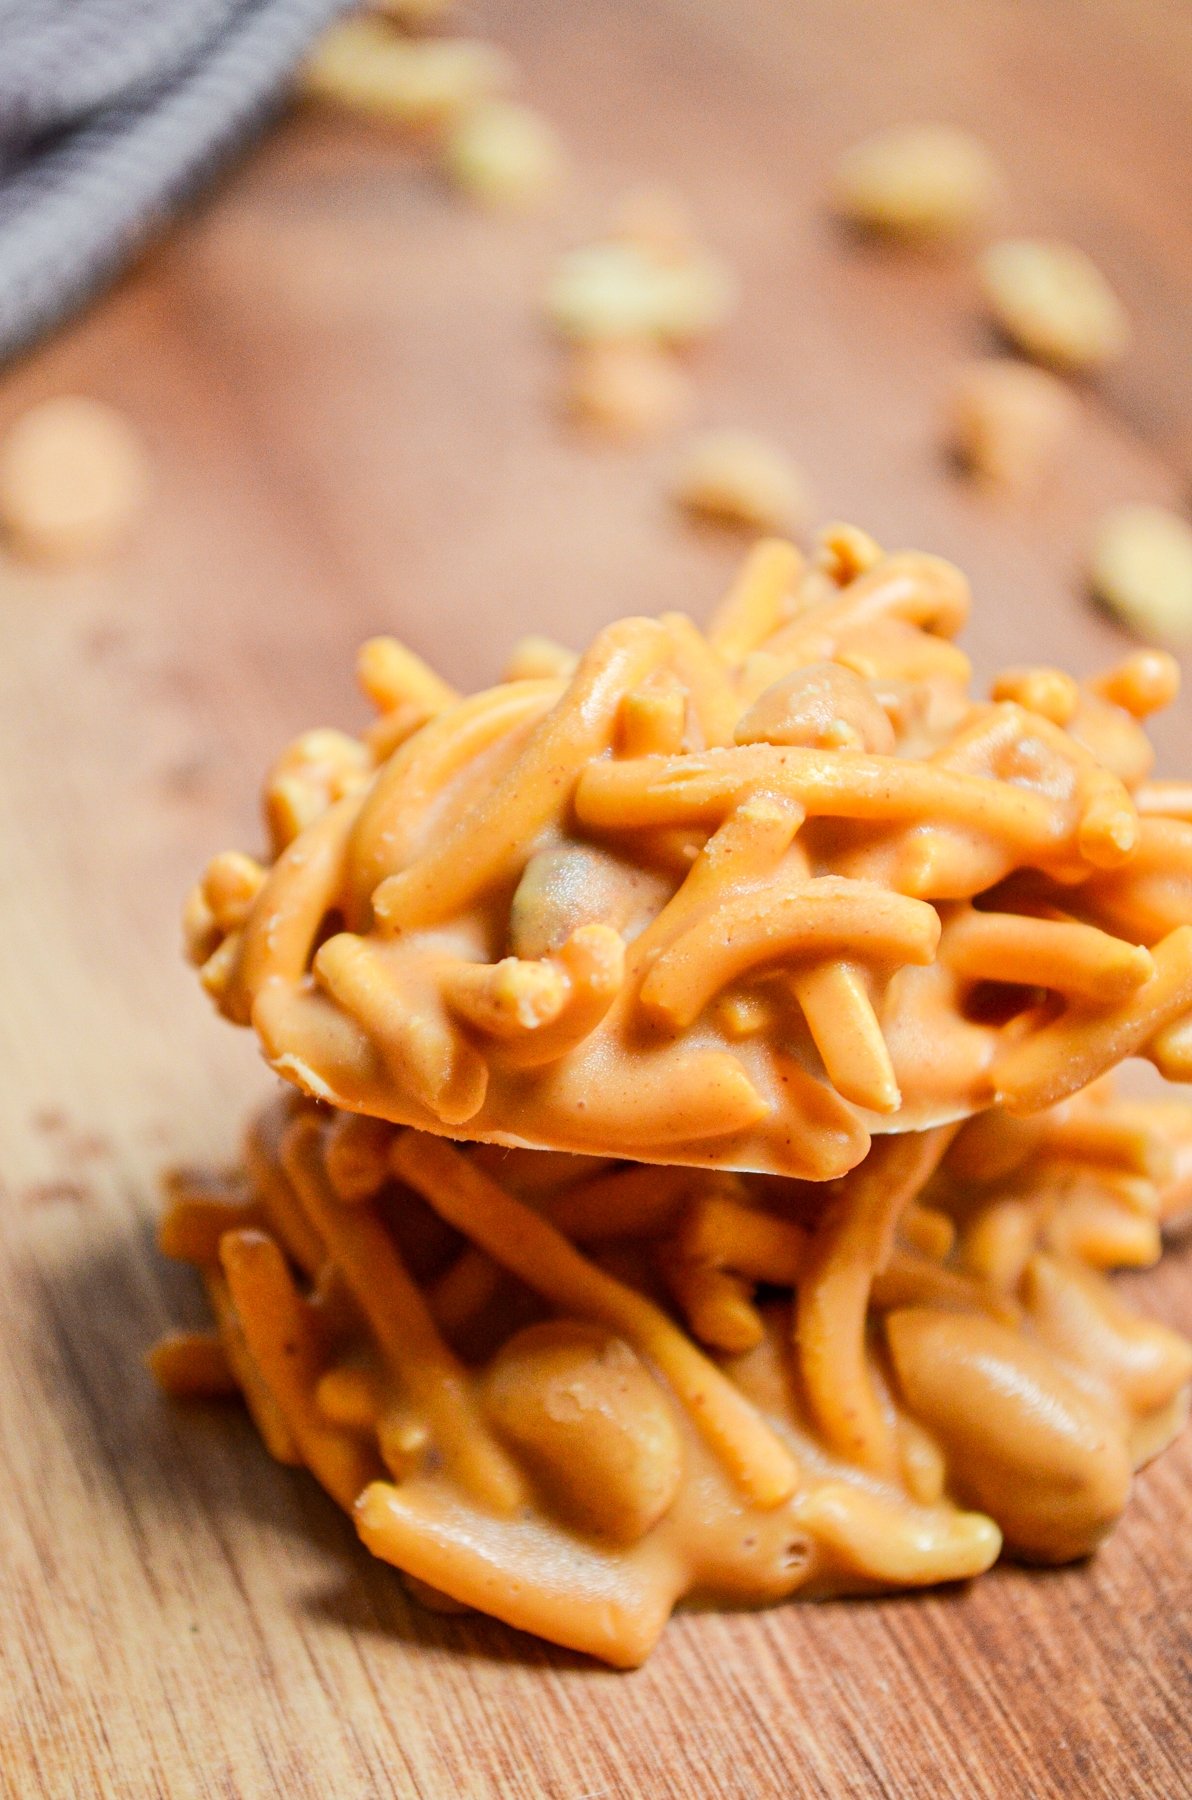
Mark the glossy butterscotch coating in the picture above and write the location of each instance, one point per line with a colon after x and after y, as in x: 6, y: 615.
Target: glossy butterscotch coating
x: 739, y: 899
x: 568, y: 1391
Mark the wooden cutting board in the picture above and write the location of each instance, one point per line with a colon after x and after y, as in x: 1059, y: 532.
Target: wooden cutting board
x: 351, y: 410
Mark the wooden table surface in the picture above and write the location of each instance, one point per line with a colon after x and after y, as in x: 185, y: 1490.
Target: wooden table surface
x: 348, y: 399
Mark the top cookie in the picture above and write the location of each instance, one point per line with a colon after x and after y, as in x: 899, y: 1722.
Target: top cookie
x: 738, y: 898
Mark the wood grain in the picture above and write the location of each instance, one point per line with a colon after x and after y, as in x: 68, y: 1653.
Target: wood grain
x: 349, y: 404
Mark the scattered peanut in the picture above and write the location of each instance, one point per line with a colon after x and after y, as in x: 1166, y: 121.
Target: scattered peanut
x: 363, y: 65
x: 1054, y: 303
x: 1140, y: 567
x: 1006, y: 420
x: 73, y: 478
x: 743, y: 481
x: 917, y: 181
x: 504, y: 155
x: 625, y: 304
x: 627, y: 390
x: 618, y: 290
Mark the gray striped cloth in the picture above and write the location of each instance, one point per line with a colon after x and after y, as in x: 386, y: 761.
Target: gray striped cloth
x: 112, y: 112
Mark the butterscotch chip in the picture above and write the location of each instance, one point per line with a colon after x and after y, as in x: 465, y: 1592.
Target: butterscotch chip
x: 1140, y: 566
x: 742, y: 480
x: 1006, y: 420
x: 1054, y: 303
x: 73, y: 478
x: 504, y: 155
x: 917, y: 181
x: 618, y: 290
x: 366, y: 67
x: 627, y: 390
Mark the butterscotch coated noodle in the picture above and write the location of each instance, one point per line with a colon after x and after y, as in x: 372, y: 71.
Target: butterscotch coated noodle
x: 848, y: 954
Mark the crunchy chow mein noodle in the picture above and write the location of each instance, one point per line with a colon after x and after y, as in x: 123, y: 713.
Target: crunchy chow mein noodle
x: 845, y: 954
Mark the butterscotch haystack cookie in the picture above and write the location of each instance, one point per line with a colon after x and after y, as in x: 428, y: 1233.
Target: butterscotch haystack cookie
x: 739, y: 898
x: 770, y: 982
x: 569, y: 1392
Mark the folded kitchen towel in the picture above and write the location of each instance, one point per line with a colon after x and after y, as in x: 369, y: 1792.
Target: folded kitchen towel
x: 111, y: 113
